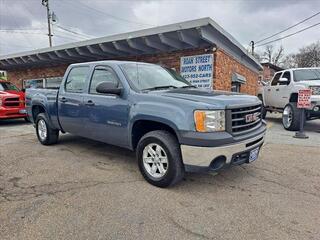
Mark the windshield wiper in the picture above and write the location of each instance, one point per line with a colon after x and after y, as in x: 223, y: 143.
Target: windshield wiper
x: 189, y: 86
x: 160, y: 87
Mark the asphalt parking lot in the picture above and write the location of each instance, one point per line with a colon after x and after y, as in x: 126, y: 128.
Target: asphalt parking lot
x: 82, y: 189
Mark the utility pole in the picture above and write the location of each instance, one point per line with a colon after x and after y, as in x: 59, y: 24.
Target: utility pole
x: 46, y: 4
x: 252, y: 47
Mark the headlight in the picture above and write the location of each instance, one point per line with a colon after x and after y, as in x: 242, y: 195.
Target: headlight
x: 315, y: 90
x: 209, y: 121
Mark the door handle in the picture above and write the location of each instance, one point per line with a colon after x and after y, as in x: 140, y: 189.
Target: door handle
x: 90, y: 103
x: 269, y: 89
x: 277, y: 89
x: 63, y: 99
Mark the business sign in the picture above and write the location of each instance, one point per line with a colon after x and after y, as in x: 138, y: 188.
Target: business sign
x: 304, y: 98
x: 198, y: 70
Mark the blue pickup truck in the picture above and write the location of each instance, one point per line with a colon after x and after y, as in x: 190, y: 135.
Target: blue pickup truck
x: 171, y: 125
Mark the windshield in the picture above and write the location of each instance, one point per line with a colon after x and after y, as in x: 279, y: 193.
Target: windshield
x: 148, y: 77
x: 306, y: 74
x: 6, y: 86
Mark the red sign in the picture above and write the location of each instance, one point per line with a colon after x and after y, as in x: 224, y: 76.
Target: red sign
x: 304, y: 100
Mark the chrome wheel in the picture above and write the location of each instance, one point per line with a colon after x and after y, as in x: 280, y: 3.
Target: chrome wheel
x: 155, y: 160
x: 287, y: 116
x: 42, y: 130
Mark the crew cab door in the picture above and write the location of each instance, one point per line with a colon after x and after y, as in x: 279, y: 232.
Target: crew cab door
x: 106, y: 115
x: 70, y: 100
x: 270, y: 91
x: 282, y: 92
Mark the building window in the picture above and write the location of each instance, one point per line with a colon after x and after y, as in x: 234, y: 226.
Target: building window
x: 52, y: 82
x: 236, y: 81
x: 235, y: 87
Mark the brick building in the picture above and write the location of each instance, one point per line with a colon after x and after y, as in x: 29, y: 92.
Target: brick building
x: 269, y: 70
x: 202, y: 51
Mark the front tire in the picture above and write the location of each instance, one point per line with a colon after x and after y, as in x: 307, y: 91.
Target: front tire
x: 263, y: 109
x: 46, y: 135
x: 291, y: 117
x: 159, y: 159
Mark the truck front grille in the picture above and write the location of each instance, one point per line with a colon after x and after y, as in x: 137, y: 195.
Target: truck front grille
x: 245, y: 119
x: 11, y: 102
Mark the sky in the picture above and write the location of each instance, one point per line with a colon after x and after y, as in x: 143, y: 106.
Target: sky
x: 23, y: 23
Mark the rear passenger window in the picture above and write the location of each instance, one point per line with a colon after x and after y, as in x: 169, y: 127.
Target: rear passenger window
x: 102, y: 74
x: 76, y: 79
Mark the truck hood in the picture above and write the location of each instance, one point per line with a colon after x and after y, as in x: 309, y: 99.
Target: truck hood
x: 219, y: 99
x: 12, y: 94
x: 309, y: 83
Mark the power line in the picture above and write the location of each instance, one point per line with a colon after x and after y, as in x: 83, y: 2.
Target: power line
x: 65, y: 37
x: 21, y: 29
x: 113, y: 16
x: 304, y: 20
x: 19, y: 32
x: 12, y: 16
x: 73, y: 32
x: 289, y: 35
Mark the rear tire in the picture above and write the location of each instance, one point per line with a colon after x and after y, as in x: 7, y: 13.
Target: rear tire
x: 159, y: 158
x: 291, y: 117
x: 46, y: 135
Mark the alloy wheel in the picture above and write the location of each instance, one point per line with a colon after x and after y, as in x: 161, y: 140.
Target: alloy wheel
x: 155, y: 160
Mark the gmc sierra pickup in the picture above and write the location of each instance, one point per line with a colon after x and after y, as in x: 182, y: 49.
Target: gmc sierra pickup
x: 173, y: 126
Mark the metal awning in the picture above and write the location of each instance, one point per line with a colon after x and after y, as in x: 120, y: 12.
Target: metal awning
x: 180, y: 36
x: 236, y: 77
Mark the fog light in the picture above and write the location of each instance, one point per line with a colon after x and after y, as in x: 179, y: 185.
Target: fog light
x: 316, y: 108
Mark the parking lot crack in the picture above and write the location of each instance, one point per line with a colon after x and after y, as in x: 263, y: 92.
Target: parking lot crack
x: 278, y: 183
x: 187, y: 230
x: 21, y: 193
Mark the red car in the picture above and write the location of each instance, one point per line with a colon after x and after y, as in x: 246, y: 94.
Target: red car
x: 12, y: 101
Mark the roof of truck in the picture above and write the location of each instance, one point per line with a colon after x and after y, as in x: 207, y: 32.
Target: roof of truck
x: 116, y: 62
x: 293, y: 69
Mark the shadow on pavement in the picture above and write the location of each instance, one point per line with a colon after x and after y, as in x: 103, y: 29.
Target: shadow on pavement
x: 13, y: 122
x: 313, y: 125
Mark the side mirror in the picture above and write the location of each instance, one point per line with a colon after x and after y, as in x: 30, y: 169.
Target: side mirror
x: 108, y: 88
x: 23, y: 90
x: 283, y: 80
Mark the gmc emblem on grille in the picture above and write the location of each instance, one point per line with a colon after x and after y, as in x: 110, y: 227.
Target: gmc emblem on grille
x: 251, y: 117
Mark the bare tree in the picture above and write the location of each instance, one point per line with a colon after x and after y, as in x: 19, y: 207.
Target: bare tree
x: 273, y: 56
x: 290, y: 61
x: 308, y: 56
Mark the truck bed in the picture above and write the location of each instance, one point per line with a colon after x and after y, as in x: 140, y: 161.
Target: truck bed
x: 47, y: 97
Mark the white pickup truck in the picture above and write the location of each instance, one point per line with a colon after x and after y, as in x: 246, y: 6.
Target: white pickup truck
x: 281, y: 95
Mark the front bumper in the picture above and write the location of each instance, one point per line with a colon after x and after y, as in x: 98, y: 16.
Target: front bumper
x: 9, y: 113
x: 202, y: 158
x: 315, y: 101
x: 314, y: 110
